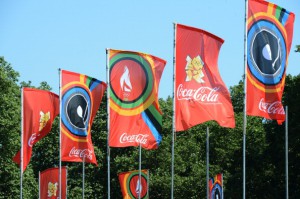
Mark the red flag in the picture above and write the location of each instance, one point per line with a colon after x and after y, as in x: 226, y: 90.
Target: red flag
x: 81, y: 96
x: 216, y: 187
x: 200, y: 94
x: 131, y: 186
x: 269, y: 38
x: 49, y: 183
x: 135, y: 117
x: 40, y: 107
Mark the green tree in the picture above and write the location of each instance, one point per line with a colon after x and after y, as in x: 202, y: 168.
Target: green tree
x: 297, y: 48
x: 10, y: 136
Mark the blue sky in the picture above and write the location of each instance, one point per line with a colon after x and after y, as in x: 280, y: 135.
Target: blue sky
x: 38, y: 37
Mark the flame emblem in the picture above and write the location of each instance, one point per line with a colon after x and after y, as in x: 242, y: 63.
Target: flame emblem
x: 44, y: 118
x: 125, y: 81
x: 138, y: 188
x: 193, y: 69
x: 52, y: 189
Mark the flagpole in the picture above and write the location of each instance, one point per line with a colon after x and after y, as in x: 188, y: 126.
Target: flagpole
x: 207, y: 162
x: 245, y: 101
x: 39, y: 184
x: 22, y: 136
x: 148, y: 182
x: 140, y: 170
x: 66, y: 182
x: 60, y: 112
x: 222, y: 187
x: 173, y: 123
x: 108, y: 123
x: 286, y: 154
x: 83, y: 175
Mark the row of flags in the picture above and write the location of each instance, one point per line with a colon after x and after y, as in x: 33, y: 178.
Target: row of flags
x: 132, y: 185
x: 200, y: 95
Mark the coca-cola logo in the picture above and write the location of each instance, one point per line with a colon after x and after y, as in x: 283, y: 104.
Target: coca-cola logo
x: 32, y: 139
x: 201, y: 94
x: 139, y: 138
x: 271, y: 107
x: 81, y: 153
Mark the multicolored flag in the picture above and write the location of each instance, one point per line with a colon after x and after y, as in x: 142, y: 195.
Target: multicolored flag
x: 132, y: 186
x: 216, y: 187
x: 39, y: 109
x: 200, y: 94
x: 81, y: 96
x: 269, y: 38
x: 49, y: 183
x: 135, y: 117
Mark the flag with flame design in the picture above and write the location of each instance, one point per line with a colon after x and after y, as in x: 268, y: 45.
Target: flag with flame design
x: 135, y: 117
x: 40, y: 108
x: 49, y: 183
x: 81, y: 96
x: 132, y: 185
x: 269, y: 38
x: 200, y: 94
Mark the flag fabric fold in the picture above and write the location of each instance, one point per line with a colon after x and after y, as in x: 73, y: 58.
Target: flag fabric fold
x: 269, y: 38
x: 200, y: 93
x: 49, y: 183
x: 81, y: 96
x: 131, y: 186
x: 135, y: 117
x: 40, y: 108
x: 216, y: 187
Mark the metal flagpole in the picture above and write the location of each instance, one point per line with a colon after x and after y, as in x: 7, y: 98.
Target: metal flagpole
x: 66, y: 182
x: 207, y: 162
x: 22, y: 136
x: 245, y: 101
x: 39, y: 184
x: 286, y: 154
x: 148, y: 182
x: 83, y: 175
x: 60, y: 112
x: 222, y: 187
x: 173, y: 123
x: 108, y: 123
x: 140, y: 171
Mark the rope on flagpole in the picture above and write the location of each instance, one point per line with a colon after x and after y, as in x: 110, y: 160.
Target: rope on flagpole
x: 173, y: 123
x: 108, y: 123
x: 286, y: 154
x: 207, y: 162
x: 60, y: 112
x: 245, y: 101
x: 22, y: 136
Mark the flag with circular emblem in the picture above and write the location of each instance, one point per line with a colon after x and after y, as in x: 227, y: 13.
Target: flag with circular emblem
x: 135, y: 117
x: 81, y: 96
x: 269, y: 38
x: 216, y: 187
x: 132, y: 185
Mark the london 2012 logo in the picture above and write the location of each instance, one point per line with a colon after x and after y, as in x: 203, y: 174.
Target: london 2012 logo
x: 194, y: 69
x: 266, y: 51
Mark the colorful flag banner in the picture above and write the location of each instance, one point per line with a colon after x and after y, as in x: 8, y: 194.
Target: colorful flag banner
x: 131, y: 185
x: 216, y: 187
x: 81, y: 96
x: 49, y: 183
x: 200, y: 94
x: 40, y: 108
x: 135, y: 117
x: 270, y: 33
